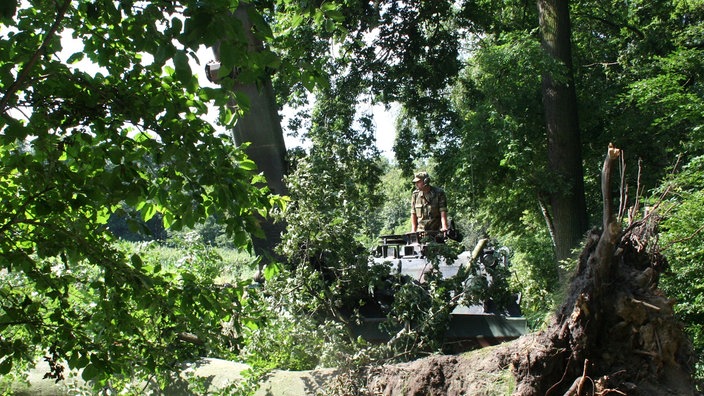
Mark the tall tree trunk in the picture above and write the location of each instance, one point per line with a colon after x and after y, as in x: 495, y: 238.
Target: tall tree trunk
x: 568, y: 206
x: 261, y: 127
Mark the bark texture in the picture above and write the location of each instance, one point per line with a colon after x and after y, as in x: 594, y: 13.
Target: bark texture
x: 569, y: 215
x: 261, y: 127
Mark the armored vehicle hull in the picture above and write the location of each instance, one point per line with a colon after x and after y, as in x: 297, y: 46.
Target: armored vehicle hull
x: 470, y: 325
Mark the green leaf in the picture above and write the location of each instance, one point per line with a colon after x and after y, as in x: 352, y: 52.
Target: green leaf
x: 329, y: 6
x: 13, y: 131
x: 90, y: 372
x: 248, y: 165
x: 242, y: 100
x: 168, y: 219
x: 252, y: 325
x: 136, y: 261
x: 271, y: 270
x: 269, y: 59
x: 8, y: 8
x: 75, y: 58
x: 226, y: 116
x: 148, y: 211
x: 176, y: 25
x: 229, y: 56
x: 308, y: 80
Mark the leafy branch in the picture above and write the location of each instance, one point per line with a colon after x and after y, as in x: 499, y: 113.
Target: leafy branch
x: 26, y: 70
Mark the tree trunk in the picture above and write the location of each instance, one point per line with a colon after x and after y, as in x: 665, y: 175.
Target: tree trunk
x: 261, y: 127
x: 568, y: 205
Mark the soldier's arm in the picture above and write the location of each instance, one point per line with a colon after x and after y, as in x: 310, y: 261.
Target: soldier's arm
x: 414, y: 218
x: 443, y: 218
x: 442, y: 203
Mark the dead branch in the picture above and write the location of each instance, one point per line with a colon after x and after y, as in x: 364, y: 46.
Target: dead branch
x: 611, y: 156
x: 584, y: 377
x: 607, y: 242
x: 685, y: 239
x: 623, y: 188
x: 573, y: 388
x: 636, y: 204
x: 646, y: 353
x: 607, y: 391
x: 548, y: 219
x: 645, y: 304
x: 577, y: 387
x: 564, y: 375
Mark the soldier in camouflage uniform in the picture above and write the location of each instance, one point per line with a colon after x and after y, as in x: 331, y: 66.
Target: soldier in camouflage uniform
x: 428, y: 206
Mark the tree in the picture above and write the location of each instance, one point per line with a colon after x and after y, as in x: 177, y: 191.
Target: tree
x: 568, y: 218
x: 258, y: 126
x: 681, y: 237
x: 417, y: 54
x: 602, y: 339
x: 635, y: 67
x: 75, y: 145
x: 393, y: 216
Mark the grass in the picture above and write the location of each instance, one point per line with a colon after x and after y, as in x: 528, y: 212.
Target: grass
x: 224, y: 265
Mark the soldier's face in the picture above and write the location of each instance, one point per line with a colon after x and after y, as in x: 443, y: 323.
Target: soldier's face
x: 420, y: 184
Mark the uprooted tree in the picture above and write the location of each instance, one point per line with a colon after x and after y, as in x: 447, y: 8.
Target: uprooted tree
x: 614, y: 334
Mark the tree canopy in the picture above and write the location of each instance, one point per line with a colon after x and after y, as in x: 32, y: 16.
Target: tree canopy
x: 76, y: 145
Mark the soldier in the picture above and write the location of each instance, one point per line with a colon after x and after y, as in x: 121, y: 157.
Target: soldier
x: 428, y: 206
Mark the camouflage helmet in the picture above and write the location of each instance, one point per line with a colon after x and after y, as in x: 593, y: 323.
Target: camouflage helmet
x: 422, y: 176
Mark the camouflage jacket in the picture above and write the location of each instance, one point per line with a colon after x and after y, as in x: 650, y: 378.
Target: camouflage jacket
x: 427, y: 208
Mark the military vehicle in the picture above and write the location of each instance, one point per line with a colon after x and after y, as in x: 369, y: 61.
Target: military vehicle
x: 472, y: 325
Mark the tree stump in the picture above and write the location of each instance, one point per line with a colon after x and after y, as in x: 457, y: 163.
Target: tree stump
x: 616, y: 333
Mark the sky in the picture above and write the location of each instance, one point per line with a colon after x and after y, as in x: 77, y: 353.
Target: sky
x: 385, y: 121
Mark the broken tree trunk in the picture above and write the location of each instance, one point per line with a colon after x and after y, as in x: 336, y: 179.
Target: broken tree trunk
x: 616, y: 332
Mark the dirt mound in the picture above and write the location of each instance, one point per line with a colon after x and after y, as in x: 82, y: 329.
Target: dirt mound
x: 477, y: 373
